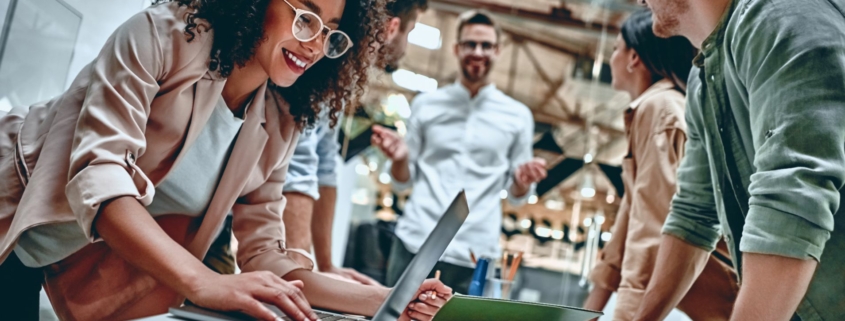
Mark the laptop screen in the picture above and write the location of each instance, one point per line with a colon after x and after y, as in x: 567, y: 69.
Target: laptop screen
x: 422, y: 264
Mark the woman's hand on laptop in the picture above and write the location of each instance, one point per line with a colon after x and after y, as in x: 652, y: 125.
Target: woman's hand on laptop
x: 248, y: 292
x: 430, y: 298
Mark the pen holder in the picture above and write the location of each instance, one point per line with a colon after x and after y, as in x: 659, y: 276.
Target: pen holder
x: 497, y: 288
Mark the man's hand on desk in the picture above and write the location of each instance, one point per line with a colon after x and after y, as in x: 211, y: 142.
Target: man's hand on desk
x: 248, y: 291
x: 389, y: 143
x: 429, y: 299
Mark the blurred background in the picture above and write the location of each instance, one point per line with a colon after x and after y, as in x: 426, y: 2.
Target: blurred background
x: 554, y: 60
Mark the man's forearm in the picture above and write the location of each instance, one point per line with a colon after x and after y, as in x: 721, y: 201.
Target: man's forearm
x: 597, y: 299
x: 401, y: 171
x: 678, y: 266
x: 297, y: 219
x: 772, y: 286
x: 321, y: 226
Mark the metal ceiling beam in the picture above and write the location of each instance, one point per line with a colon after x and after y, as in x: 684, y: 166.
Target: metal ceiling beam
x: 554, y: 85
x: 576, y: 121
x: 521, y: 34
x: 556, y: 45
x: 613, y: 5
x: 556, y: 16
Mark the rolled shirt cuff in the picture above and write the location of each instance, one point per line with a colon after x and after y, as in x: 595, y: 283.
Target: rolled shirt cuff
x: 698, y: 235
x: 305, y: 186
x: 327, y: 180
x: 773, y: 232
x: 100, y: 183
x: 517, y: 201
x: 275, y: 261
x: 401, y: 187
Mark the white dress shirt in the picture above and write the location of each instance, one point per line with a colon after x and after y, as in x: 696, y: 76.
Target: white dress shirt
x: 456, y: 143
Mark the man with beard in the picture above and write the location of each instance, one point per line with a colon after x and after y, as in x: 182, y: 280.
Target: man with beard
x: 765, y: 156
x: 310, y: 189
x: 466, y: 136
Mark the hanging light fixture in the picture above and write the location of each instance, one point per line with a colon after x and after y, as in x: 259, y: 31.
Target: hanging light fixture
x: 588, y: 189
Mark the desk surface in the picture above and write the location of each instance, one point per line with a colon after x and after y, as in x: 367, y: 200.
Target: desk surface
x: 161, y: 317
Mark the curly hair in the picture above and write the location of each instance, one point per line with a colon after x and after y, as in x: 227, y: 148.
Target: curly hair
x: 331, y: 83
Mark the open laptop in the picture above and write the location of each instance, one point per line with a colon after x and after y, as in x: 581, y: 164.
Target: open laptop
x: 399, y: 297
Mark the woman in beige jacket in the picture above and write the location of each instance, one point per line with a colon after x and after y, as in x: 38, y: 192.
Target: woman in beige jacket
x: 111, y: 193
x: 653, y: 71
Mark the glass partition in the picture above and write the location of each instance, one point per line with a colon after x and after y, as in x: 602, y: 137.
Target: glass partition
x: 36, y: 47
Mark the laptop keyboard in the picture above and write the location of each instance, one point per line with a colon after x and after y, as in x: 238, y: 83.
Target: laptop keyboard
x: 325, y: 316
x: 335, y: 317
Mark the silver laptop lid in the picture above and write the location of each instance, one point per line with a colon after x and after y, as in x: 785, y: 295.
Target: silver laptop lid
x: 424, y: 261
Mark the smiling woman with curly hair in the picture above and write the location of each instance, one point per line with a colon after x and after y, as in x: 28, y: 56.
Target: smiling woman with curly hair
x: 111, y: 193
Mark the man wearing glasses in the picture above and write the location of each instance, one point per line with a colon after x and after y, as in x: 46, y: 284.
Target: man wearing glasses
x: 765, y: 156
x: 465, y: 136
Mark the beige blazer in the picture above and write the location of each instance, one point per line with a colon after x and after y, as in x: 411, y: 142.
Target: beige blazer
x: 126, y: 120
x: 655, y: 128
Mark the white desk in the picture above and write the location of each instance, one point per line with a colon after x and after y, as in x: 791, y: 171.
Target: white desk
x: 161, y: 317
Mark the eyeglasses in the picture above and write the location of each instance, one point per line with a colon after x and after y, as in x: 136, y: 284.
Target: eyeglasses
x: 486, y: 47
x: 307, y: 26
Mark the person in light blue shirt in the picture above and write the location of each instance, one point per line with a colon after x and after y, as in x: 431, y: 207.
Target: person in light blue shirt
x: 470, y: 137
x: 311, y: 191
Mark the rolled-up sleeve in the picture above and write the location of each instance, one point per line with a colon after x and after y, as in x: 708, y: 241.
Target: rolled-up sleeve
x: 692, y: 217
x: 521, y: 152
x: 109, y: 134
x: 327, y: 151
x: 795, y: 75
x: 302, y: 171
x: 258, y: 227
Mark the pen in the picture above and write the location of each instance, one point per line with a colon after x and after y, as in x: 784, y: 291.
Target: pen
x: 472, y: 256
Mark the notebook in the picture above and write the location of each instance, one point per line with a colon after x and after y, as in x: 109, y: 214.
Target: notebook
x: 470, y: 308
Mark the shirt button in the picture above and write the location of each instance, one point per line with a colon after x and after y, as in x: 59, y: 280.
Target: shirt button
x: 712, y: 78
x: 721, y: 129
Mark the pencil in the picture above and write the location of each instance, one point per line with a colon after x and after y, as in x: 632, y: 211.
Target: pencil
x: 472, y: 256
x: 515, y: 266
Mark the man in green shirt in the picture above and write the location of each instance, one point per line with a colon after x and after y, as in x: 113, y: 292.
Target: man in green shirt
x: 765, y: 156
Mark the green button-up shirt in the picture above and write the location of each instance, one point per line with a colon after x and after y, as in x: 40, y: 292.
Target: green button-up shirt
x: 765, y: 155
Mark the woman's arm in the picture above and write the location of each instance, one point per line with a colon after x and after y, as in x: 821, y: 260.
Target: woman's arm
x: 129, y: 230
x: 325, y: 292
